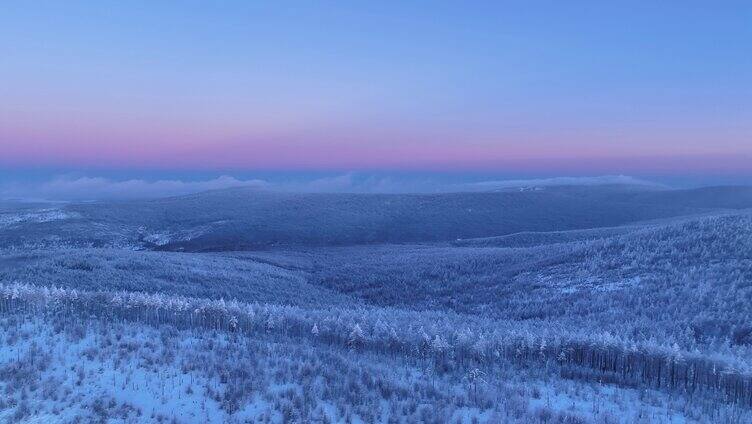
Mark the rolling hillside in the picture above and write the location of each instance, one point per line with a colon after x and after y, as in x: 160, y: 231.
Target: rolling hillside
x: 246, y: 219
x: 290, y: 307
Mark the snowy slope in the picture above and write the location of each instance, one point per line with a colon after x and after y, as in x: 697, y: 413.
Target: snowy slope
x: 242, y: 219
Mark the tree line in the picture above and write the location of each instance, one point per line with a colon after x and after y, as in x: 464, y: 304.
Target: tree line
x: 440, y: 340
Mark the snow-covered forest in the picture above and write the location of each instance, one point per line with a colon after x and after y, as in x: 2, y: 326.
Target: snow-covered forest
x: 561, y: 305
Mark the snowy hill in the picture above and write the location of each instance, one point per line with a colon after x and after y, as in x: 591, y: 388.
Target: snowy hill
x: 248, y: 219
x: 573, y: 304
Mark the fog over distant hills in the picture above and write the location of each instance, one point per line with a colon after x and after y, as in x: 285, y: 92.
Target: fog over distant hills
x: 87, y: 188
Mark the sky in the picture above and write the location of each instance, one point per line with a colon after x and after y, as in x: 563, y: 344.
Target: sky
x: 160, y: 89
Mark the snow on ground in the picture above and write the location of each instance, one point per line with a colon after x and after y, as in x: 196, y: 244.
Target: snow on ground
x: 35, y: 216
x: 94, y: 371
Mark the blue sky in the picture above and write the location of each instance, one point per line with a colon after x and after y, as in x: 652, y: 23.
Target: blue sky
x: 503, y: 88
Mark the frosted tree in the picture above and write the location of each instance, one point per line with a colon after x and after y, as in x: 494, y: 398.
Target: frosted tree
x: 474, y: 378
x: 355, y: 339
x: 233, y: 323
x: 439, y: 345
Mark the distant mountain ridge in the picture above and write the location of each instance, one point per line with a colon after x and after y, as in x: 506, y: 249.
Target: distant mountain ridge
x: 247, y: 219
